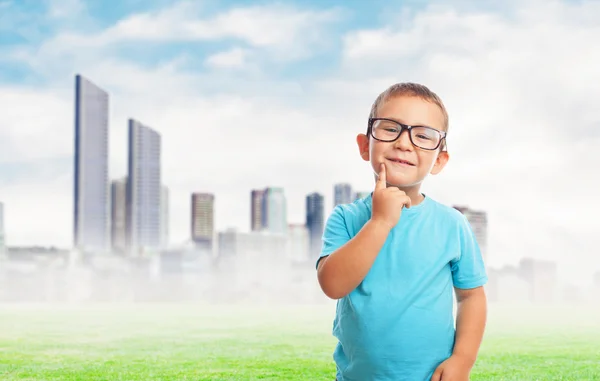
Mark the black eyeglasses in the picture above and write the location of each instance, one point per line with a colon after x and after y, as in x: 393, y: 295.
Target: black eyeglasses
x: 388, y: 130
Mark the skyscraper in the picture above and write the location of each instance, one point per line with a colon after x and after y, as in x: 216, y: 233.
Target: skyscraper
x: 479, y: 223
x: 164, y: 216
x: 203, y: 225
x: 274, y: 210
x: 91, y: 184
x: 314, y: 221
x: 256, y: 210
x: 342, y: 194
x: 119, y: 215
x: 143, y: 188
x: 2, y: 239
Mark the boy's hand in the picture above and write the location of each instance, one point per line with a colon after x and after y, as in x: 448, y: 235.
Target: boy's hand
x: 454, y: 368
x: 387, y: 202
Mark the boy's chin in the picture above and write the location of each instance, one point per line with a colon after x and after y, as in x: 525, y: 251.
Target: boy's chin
x: 403, y: 181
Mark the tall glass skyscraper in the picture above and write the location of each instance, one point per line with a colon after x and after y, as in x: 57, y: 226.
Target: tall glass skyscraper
x: 143, y: 188
x: 91, y: 183
x: 315, y: 221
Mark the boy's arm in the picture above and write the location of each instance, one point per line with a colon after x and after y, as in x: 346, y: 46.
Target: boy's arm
x: 470, y: 324
x: 471, y: 318
x: 342, y: 271
x: 469, y: 276
x: 345, y: 268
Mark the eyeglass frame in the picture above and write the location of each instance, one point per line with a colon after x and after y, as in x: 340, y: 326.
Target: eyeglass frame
x: 402, y: 128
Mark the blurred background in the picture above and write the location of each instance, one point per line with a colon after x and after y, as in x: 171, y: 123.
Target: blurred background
x: 191, y: 151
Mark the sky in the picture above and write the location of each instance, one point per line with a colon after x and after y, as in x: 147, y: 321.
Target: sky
x: 250, y: 94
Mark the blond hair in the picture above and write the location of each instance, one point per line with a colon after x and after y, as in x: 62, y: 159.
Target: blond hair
x: 413, y: 90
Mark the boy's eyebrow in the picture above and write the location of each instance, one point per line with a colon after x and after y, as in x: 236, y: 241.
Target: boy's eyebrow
x: 414, y: 124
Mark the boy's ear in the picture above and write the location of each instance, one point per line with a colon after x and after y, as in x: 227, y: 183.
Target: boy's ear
x: 440, y: 162
x: 363, y: 146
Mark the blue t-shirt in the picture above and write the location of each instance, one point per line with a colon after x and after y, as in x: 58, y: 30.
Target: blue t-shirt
x: 398, y: 324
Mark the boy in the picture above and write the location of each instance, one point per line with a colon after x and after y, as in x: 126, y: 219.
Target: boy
x: 393, y: 258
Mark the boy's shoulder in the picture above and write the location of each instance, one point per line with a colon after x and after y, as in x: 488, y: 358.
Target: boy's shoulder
x: 448, y: 211
x: 358, y: 208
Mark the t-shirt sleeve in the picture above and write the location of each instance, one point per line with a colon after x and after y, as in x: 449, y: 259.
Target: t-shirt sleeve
x: 468, y: 269
x: 335, y: 233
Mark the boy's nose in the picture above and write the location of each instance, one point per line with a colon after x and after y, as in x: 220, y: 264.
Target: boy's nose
x: 403, y: 142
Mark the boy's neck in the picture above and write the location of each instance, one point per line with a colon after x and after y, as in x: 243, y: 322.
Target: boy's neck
x: 416, y: 197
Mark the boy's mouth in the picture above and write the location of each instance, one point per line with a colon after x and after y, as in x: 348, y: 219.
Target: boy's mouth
x: 402, y: 161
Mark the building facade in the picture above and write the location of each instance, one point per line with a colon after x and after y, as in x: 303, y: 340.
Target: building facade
x: 203, y: 222
x: 91, y: 183
x: 342, y: 194
x: 314, y: 222
x: 143, y: 189
x: 118, y: 226
x: 256, y: 210
x: 274, y: 210
x: 164, y: 217
x: 2, y: 234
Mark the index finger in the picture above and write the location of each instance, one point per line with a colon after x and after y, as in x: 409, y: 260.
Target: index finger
x: 381, y: 181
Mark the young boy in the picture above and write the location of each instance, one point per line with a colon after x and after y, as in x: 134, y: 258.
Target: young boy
x: 393, y: 258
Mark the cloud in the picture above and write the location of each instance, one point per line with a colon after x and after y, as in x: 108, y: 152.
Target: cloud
x: 282, y: 33
x: 233, y: 58
x: 517, y: 84
x: 61, y: 9
x: 259, y: 25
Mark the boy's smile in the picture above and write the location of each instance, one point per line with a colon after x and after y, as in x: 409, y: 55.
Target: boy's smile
x: 401, y: 162
x: 407, y: 164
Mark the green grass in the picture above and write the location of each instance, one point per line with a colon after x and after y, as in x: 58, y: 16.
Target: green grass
x: 175, y: 342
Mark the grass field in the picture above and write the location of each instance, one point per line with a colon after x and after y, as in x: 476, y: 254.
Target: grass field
x: 175, y: 342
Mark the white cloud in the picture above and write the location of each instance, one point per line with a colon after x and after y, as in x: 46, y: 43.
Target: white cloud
x: 519, y: 88
x: 260, y: 25
x: 60, y: 9
x: 233, y: 58
x: 284, y: 32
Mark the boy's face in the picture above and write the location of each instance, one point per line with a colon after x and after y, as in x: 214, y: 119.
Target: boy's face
x: 418, y: 163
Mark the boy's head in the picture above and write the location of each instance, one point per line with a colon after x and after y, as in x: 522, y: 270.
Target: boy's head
x: 409, y: 155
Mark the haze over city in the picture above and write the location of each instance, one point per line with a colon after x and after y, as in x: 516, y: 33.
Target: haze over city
x: 239, y: 107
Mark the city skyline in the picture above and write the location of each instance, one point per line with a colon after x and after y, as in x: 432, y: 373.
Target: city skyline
x: 268, y: 206
x: 247, y: 108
